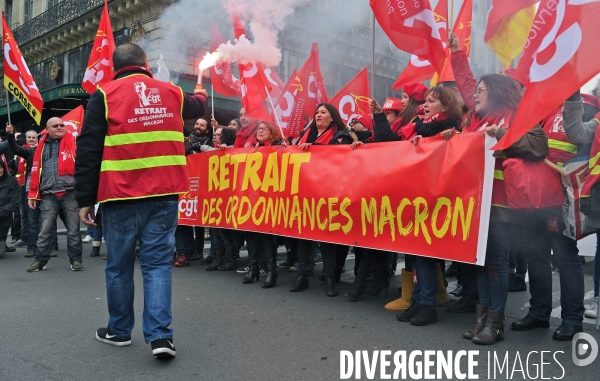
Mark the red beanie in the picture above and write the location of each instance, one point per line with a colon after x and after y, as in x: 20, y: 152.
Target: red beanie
x: 591, y: 100
x: 366, y: 120
x: 416, y: 90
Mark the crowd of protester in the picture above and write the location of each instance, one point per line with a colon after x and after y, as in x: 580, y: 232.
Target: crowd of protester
x: 518, y: 241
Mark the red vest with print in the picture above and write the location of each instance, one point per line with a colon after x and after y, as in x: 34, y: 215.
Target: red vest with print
x: 21, y: 171
x: 561, y: 150
x: 144, y: 155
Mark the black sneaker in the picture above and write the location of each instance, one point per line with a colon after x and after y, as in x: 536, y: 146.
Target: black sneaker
x: 409, y: 313
x: 163, y: 348
x: 457, y: 293
x: 425, y: 316
x: 105, y: 335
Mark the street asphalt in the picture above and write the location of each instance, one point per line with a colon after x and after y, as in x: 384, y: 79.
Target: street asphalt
x: 225, y: 330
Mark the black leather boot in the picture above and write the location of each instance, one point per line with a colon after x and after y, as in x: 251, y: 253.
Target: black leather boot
x: 300, y: 284
x: 95, y: 251
x: 270, y: 245
x: 253, y: 270
x: 360, y: 283
x: 252, y: 273
x: 330, y: 286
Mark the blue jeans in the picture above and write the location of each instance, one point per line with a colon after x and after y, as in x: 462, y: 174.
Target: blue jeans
x: 89, y: 231
x: 492, y: 279
x: 539, y: 243
x: 153, y: 224
x: 49, y: 207
x: 426, y: 288
x: 24, y: 207
x: 518, y: 255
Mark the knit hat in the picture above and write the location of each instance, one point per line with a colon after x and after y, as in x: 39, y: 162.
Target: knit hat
x: 365, y: 119
x: 392, y: 104
x: 416, y: 90
x: 590, y: 100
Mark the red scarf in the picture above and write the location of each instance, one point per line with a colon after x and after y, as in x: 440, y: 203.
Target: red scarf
x: 501, y: 119
x: 324, y: 138
x: 66, y: 163
x: 245, y: 137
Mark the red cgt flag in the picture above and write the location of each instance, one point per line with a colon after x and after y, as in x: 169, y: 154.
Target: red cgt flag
x: 72, y: 120
x: 17, y: 77
x: 100, y: 65
x: 288, y: 110
x: 558, y: 59
x: 276, y: 83
x: 353, y: 99
x: 419, y: 70
x: 312, y: 81
x: 411, y: 26
x: 221, y: 74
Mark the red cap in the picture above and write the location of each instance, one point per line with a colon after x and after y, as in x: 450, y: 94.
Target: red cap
x: 392, y: 104
x: 366, y: 120
x: 590, y: 100
x: 416, y: 90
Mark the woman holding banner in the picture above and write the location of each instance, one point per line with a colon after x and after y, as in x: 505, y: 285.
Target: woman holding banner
x: 496, y: 101
x: 400, y: 113
x: 266, y: 135
x: 443, y: 113
x: 326, y: 128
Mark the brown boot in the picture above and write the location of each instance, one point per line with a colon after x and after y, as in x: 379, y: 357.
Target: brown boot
x: 442, y: 297
x: 403, y: 303
x: 217, y: 261
x: 229, y: 262
x: 481, y: 318
x: 493, y: 329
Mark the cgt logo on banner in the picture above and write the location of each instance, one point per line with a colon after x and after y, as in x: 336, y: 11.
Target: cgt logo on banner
x: 188, y: 202
x: 584, y: 349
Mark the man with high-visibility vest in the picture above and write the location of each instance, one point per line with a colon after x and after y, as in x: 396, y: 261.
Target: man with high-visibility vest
x: 132, y: 161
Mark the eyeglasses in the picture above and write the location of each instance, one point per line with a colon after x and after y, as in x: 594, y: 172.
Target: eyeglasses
x: 61, y: 125
x: 262, y: 129
x: 478, y: 91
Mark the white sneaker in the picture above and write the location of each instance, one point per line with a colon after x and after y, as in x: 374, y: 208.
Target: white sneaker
x: 592, y: 311
x: 88, y: 239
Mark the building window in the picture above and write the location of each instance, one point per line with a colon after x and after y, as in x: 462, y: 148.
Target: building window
x: 51, y: 3
x: 8, y: 12
x: 28, y: 10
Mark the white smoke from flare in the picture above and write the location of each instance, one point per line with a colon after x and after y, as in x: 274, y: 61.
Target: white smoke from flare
x: 209, y: 60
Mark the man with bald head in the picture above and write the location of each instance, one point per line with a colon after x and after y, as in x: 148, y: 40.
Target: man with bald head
x: 51, y: 184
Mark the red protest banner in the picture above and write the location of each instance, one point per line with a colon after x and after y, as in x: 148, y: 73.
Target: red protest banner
x: 434, y: 201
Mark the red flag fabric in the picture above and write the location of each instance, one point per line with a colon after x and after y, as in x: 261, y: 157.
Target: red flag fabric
x: 419, y: 70
x: 312, y: 81
x: 353, y: 99
x: 411, y: 26
x: 276, y: 83
x: 221, y: 74
x: 17, y: 77
x: 72, y: 120
x: 462, y: 30
x: 99, y: 67
x: 288, y: 109
x: 558, y: 59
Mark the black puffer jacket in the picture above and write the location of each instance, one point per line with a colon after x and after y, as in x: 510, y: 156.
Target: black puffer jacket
x: 9, y: 199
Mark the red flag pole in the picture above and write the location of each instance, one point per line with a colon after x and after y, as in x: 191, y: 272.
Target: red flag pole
x: 373, y: 58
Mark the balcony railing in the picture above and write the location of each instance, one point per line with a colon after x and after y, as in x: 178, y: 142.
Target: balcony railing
x: 53, y: 18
